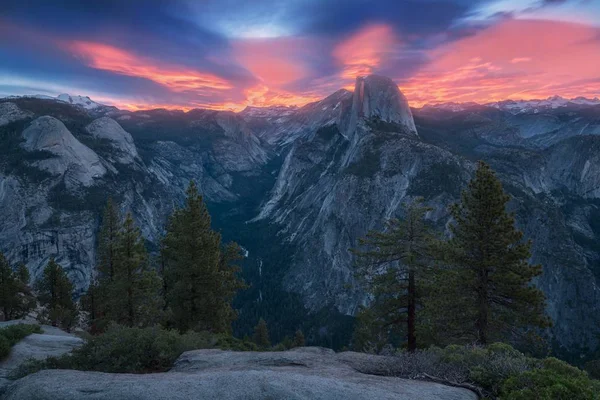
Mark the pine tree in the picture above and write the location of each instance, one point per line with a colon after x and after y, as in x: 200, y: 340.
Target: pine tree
x: 199, y: 276
x: 8, y: 288
x: 16, y: 298
x: 135, y: 287
x: 395, y: 261
x: 23, y: 274
x: 489, y: 281
x: 26, y: 300
x: 261, y: 334
x: 55, y: 292
x: 107, y: 241
x: 299, y: 339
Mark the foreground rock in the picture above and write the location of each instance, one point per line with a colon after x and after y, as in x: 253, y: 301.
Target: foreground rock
x: 53, y: 342
x: 306, y: 373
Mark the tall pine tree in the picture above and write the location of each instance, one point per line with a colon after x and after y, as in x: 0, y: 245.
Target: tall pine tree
x: 16, y: 298
x: 135, y: 287
x: 8, y: 288
x: 126, y: 290
x: 393, y: 264
x: 489, y: 280
x: 55, y: 292
x: 107, y: 241
x: 199, y: 276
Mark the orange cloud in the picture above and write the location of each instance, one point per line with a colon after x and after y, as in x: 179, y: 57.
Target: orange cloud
x: 176, y: 78
x: 516, y: 59
x: 364, y: 51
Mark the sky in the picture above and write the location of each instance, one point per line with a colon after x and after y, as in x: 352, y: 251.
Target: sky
x: 229, y: 54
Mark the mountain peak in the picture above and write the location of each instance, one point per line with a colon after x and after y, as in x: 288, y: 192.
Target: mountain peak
x: 83, y: 101
x: 378, y: 96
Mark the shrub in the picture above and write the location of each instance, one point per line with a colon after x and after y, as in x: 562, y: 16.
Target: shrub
x: 555, y: 379
x: 4, y: 347
x: 133, y: 350
x: 14, y: 333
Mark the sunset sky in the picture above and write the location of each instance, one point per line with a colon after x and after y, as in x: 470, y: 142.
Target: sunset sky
x: 228, y: 54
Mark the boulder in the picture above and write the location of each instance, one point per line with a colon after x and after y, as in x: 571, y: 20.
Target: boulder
x: 304, y: 373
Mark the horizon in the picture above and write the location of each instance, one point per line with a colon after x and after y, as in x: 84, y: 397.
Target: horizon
x: 293, y: 106
x: 229, y: 55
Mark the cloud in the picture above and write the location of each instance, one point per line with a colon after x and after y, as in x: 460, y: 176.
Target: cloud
x: 120, y: 61
x: 514, y: 59
x: 363, y: 52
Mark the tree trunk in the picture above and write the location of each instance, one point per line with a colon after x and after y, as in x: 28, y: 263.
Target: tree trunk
x: 412, y: 297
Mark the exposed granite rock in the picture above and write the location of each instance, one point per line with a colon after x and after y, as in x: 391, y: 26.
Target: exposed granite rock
x: 306, y: 373
x: 71, y: 157
x: 53, y: 342
x: 10, y: 112
x: 107, y: 128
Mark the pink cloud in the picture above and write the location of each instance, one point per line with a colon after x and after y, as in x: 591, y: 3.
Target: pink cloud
x: 364, y: 51
x: 514, y: 59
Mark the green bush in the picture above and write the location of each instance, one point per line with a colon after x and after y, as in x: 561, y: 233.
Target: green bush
x: 14, y: 333
x: 133, y: 350
x: 4, y: 347
x: 554, y: 380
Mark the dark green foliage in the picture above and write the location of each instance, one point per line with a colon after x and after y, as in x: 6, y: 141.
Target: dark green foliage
x: 200, y: 276
x: 393, y: 265
x: 12, y: 334
x: 23, y: 274
x: 55, y: 292
x: 8, y: 288
x: 298, y: 339
x: 134, y: 290
x: 261, y: 334
x: 134, y: 350
x: 107, y: 241
x: 126, y: 290
x: 16, y: 299
x: 486, y: 293
x: 555, y: 380
x: 4, y: 347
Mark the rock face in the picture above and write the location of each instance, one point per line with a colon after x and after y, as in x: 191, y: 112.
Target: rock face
x: 307, y: 373
x: 379, y: 97
x: 10, y: 112
x: 107, y: 128
x: 80, y: 163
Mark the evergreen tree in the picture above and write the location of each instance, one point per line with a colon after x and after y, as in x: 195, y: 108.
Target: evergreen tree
x: 199, y: 276
x: 16, y: 298
x: 8, y: 288
x: 299, y: 339
x: 135, y: 287
x: 26, y: 300
x: 55, y: 294
x: 107, y: 241
x: 393, y: 265
x: 23, y: 274
x: 129, y: 294
x: 261, y: 334
x: 488, y: 285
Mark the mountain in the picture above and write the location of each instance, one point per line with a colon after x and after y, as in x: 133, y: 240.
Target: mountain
x: 297, y: 187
